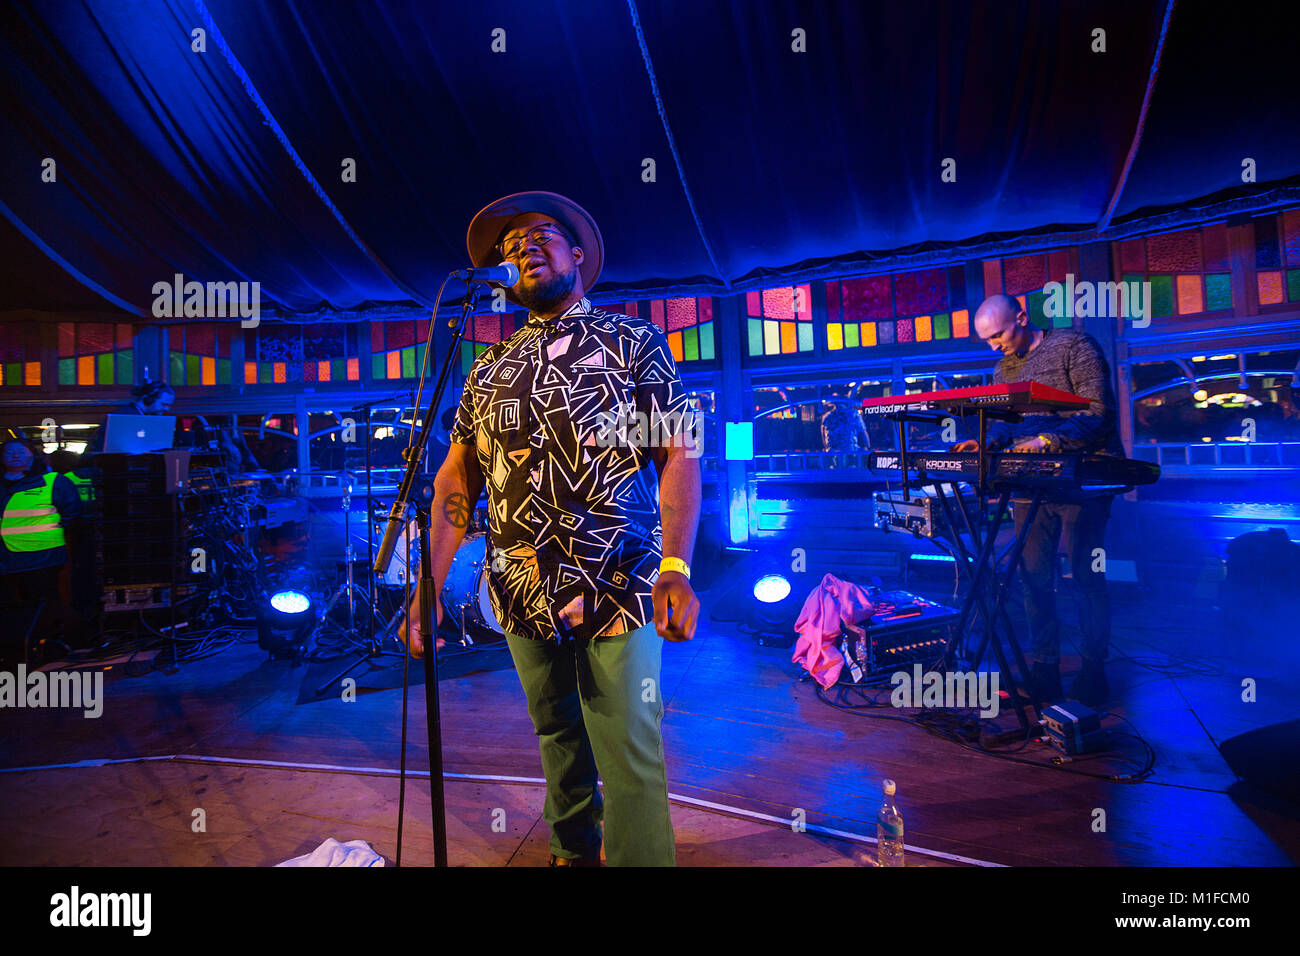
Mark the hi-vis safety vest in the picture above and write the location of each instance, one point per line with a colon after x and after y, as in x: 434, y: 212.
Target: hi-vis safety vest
x: 31, y: 522
x: 85, y: 486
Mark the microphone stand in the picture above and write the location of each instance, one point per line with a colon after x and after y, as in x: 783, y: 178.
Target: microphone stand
x: 396, y: 524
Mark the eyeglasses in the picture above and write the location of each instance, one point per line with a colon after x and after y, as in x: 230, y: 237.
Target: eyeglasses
x: 514, y: 247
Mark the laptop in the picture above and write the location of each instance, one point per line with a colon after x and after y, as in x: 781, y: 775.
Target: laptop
x: 138, y: 434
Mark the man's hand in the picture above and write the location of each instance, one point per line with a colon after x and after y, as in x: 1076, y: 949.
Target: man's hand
x: 1031, y: 445
x: 969, y: 445
x: 417, y: 639
x: 673, y: 592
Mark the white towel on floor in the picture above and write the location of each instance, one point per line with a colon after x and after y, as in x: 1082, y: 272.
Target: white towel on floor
x: 334, y: 853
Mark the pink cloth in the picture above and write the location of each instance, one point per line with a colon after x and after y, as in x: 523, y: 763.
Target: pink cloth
x: 830, y: 604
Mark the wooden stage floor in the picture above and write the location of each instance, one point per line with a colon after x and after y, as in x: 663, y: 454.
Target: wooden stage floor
x: 748, y: 745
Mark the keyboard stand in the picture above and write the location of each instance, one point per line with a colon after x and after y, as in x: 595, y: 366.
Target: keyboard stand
x: 988, y: 587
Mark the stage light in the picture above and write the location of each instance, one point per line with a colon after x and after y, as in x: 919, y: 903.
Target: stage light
x: 740, y: 441
x: 772, y: 612
x: 1201, y: 395
x: 771, y: 588
x: 285, y: 621
x: 290, y: 602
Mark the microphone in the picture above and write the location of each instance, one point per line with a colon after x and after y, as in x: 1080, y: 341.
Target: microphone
x: 507, y: 274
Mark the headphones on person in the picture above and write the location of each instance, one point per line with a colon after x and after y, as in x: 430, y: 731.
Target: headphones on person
x: 150, y: 391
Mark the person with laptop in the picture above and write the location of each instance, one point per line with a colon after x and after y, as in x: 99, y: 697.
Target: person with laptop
x: 148, y: 398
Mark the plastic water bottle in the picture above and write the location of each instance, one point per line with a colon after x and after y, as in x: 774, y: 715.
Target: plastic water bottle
x: 889, y: 830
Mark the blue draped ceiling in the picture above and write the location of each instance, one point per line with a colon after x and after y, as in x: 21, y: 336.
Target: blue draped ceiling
x: 226, y: 164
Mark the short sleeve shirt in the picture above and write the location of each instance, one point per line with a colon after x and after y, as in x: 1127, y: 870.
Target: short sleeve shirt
x: 574, y: 537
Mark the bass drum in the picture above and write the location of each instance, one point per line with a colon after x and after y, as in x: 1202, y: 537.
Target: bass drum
x: 466, y: 603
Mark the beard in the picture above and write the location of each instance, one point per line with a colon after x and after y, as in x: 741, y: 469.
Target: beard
x: 546, y: 296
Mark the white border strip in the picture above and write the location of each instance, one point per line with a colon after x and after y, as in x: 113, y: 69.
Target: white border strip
x: 500, y: 778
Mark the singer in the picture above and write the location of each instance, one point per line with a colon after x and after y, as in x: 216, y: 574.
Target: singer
x: 588, y: 542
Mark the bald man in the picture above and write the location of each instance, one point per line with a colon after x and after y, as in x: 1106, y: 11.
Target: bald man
x: 1072, y: 361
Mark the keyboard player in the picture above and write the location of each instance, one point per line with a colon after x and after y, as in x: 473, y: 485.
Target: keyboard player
x: 1076, y: 525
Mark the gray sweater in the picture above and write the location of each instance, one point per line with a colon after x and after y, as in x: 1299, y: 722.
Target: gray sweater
x: 1072, y: 362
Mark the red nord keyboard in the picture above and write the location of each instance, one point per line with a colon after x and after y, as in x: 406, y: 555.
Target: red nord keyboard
x: 1012, y: 396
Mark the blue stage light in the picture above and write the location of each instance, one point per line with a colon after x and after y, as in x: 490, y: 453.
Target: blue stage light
x: 771, y: 589
x: 922, y: 556
x: 286, y: 620
x: 740, y: 441
x: 290, y: 602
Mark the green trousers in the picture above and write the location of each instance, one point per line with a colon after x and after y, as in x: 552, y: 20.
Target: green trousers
x: 596, y: 707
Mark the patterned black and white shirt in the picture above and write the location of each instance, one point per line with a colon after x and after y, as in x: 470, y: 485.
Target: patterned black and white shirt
x: 574, y: 539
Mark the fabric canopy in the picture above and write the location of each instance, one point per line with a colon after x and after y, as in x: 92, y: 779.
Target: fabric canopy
x: 721, y: 146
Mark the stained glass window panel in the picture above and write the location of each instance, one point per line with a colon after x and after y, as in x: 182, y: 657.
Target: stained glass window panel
x: 1191, y: 300
x: 1162, y: 295
x: 706, y: 342
x: 1267, y: 255
x: 867, y: 297
x: 961, y: 324
x: 675, y: 345
x: 788, y: 343
x: 1214, y: 248
x: 1174, y: 252
x: 1270, y: 287
x: 805, y: 334
x: 681, y: 313
x: 778, y: 303
x: 691, y: 344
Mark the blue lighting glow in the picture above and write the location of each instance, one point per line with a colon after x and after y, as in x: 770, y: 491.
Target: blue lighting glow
x: 918, y: 556
x: 771, y: 588
x: 740, y: 441
x: 290, y: 602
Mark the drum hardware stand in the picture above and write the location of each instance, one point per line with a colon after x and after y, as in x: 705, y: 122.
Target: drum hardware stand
x: 396, y: 522
x: 350, y: 589
x: 373, y: 644
x: 465, y: 639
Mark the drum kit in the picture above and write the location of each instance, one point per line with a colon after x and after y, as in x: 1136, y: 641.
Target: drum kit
x: 263, y: 504
x: 465, y: 597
